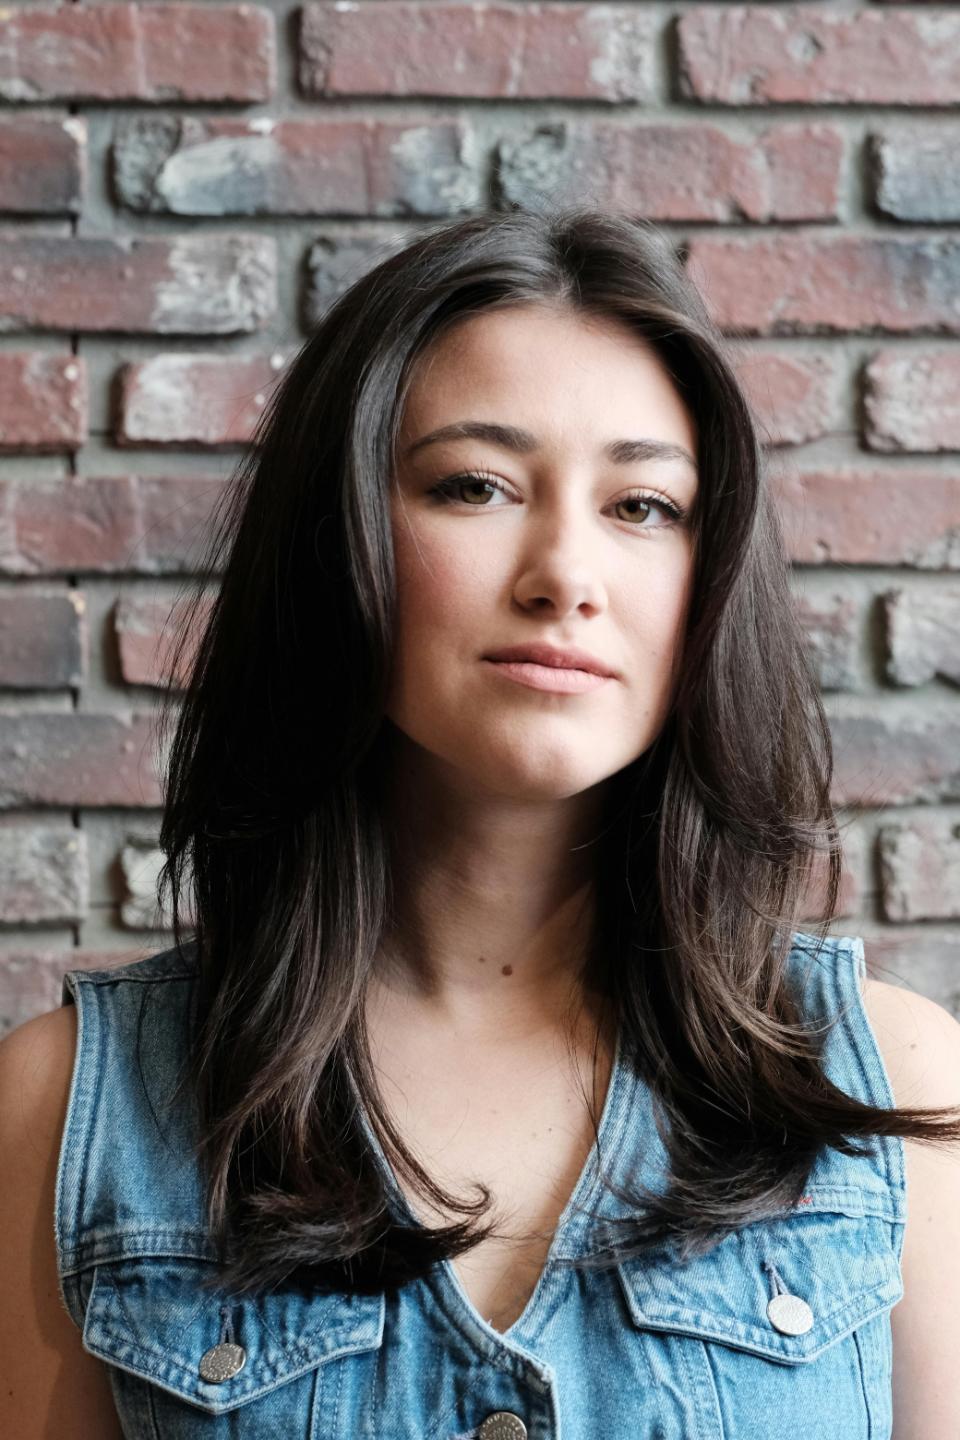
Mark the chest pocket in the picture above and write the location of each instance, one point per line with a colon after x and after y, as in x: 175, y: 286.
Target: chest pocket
x: 148, y: 1318
x: 727, y: 1366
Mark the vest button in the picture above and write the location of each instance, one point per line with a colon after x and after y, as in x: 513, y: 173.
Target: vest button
x: 789, y: 1314
x: 222, y: 1362
x: 503, y: 1425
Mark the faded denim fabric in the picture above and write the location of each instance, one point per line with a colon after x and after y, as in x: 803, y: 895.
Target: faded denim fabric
x: 649, y: 1350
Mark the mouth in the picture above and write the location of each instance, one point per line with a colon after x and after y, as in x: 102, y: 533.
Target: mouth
x: 557, y: 679
x: 562, y: 657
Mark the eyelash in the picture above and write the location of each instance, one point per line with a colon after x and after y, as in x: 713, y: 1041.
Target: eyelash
x: 443, y: 490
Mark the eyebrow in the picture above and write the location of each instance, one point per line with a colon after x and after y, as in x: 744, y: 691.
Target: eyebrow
x: 512, y: 437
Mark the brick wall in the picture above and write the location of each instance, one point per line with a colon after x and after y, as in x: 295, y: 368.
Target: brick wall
x: 184, y: 188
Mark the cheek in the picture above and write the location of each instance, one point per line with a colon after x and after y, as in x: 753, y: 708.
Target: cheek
x: 438, y: 585
x: 658, y: 604
x: 444, y: 599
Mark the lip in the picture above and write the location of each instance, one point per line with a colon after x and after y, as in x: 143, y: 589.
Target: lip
x: 556, y: 679
x: 552, y: 657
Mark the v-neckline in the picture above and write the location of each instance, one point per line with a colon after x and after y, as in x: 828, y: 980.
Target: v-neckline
x: 586, y: 1182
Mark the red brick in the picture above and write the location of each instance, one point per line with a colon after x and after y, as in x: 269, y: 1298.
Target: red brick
x: 806, y: 54
x: 176, y: 513
x: 794, y: 397
x: 888, y: 755
x: 31, y: 980
x: 195, y: 399
x: 920, y: 870
x: 162, y: 53
x: 831, y: 626
x: 105, y: 525
x: 75, y: 524
x: 678, y: 172
x: 79, y: 758
x: 880, y: 517
x: 44, y: 874
x: 914, y: 173
x: 192, y: 284
x: 478, y: 51
x: 43, y: 162
x: 801, y: 284
x: 912, y: 400
x: 922, y: 634
x: 144, y: 629
x: 312, y: 165
x: 43, y: 639
x: 43, y: 401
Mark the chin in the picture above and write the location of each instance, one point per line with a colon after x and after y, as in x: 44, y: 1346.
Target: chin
x: 518, y: 779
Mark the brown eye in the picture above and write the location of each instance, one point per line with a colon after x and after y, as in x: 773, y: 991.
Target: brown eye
x: 471, y: 480
x: 456, y: 490
x: 647, y: 503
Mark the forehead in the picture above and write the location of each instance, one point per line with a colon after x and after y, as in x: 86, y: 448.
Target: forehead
x: 575, y: 378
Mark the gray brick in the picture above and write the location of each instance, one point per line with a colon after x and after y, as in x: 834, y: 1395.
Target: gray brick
x: 44, y: 874
x: 920, y: 870
x: 922, y: 634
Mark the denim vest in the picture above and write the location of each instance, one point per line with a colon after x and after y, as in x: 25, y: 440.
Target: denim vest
x: 780, y: 1332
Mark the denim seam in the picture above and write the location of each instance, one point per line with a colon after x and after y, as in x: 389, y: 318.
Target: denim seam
x: 139, y: 1342
x: 715, y: 1394
x: 323, y: 1374
x: 339, y: 1373
x: 695, y: 1326
x: 374, y: 1407
x: 120, y: 975
x: 114, y: 1243
x: 499, y: 1352
x: 314, y: 1400
x: 692, y: 1385
x: 891, y: 1148
x: 863, y: 1038
x: 75, y: 1141
x: 185, y: 1376
x: 863, y: 1385
x: 152, y: 1412
x: 652, y: 1386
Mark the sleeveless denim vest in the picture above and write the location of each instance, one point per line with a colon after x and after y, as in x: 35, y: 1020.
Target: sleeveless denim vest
x: 780, y: 1332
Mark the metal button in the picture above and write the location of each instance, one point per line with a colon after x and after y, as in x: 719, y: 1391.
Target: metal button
x: 222, y: 1362
x: 503, y: 1425
x: 789, y: 1314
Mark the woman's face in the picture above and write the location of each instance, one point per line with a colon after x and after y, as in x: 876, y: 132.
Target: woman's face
x: 556, y: 530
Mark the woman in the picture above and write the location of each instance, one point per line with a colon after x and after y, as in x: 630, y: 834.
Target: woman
x: 501, y: 780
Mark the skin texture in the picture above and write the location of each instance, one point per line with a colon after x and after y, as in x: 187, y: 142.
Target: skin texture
x: 496, y: 784
x: 919, y: 1041
x: 498, y: 788
x: 49, y: 1385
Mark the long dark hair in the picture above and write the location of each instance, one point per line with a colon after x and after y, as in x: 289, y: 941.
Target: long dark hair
x: 277, y: 841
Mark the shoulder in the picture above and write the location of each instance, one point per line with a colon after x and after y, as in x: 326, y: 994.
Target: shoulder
x: 919, y: 1042
x: 51, y: 1380
x: 36, y: 1065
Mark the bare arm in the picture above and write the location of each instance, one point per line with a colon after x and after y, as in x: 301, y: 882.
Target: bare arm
x: 920, y: 1044
x: 52, y: 1389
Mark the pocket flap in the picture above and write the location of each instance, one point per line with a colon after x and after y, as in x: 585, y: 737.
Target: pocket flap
x: 835, y: 1250
x: 149, y: 1316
